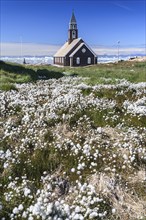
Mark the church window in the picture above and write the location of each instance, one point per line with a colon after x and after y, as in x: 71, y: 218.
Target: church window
x: 74, y: 34
x: 83, y: 50
x: 89, y: 60
x: 78, y: 60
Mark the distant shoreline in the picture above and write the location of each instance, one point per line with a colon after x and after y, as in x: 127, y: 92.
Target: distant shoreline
x: 48, y: 60
x: 138, y: 59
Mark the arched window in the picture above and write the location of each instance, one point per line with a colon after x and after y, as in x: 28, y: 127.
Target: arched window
x: 78, y: 60
x: 73, y: 34
x: 89, y: 60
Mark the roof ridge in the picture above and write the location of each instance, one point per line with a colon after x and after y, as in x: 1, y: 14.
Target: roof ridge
x: 64, y: 50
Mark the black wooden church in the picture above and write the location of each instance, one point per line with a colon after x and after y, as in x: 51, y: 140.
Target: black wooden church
x: 75, y: 52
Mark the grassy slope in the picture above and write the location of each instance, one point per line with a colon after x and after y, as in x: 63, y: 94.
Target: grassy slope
x: 133, y: 72
x: 16, y: 73
x: 11, y: 73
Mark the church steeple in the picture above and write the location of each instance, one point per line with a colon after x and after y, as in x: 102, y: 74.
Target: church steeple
x: 73, y: 31
x: 73, y: 19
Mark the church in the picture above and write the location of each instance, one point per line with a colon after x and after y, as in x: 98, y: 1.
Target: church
x: 75, y: 52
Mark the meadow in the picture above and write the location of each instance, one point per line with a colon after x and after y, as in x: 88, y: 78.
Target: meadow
x: 73, y: 142
x: 12, y: 73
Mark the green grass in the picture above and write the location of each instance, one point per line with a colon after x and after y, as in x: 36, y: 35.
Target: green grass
x: 133, y: 72
x: 7, y: 86
x: 11, y: 73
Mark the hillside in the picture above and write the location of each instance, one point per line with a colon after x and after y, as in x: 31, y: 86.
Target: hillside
x: 11, y: 73
x: 73, y: 147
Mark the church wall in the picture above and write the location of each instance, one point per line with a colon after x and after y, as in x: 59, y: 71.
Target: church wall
x: 59, y: 60
x: 95, y: 60
x: 67, y: 58
x: 83, y: 57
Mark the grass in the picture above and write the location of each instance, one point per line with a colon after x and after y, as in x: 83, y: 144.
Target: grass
x: 11, y: 73
x: 133, y: 72
x: 101, y: 73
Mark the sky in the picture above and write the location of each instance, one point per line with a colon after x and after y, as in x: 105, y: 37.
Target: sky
x: 39, y: 27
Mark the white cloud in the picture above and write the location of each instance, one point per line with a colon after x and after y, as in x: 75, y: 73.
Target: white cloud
x: 119, y: 4
x: 32, y: 49
x: 122, y: 51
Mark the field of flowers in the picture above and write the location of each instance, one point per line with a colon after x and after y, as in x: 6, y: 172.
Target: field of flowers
x: 74, y: 151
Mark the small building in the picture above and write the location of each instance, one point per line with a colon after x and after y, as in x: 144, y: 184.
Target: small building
x: 75, y: 52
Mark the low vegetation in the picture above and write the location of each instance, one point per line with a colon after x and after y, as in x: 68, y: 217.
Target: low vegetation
x: 73, y: 147
x: 15, y: 73
x: 102, y: 73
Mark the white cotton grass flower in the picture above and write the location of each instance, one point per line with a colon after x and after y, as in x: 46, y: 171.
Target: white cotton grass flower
x: 20, y: 207
x: 1, y: 206
x: 24, y: 214
x: 77, y: 209
x: 99, y: 130
x: 73, y: 170
x: 113, y: 211
x: 49, y: 208
x: 81, y: 166
x: 123, y: 167
x: 30, y: 218
x: 45, y: 101
x: 67, y: 209
x: 132, y: 158
x: 8, y: 154
x: 93, y: 215
x: 125, y: 157
x: 6, y: 164
x: 15, y: 210
x: 26, y: 191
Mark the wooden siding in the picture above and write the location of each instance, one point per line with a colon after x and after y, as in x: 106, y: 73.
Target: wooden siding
x: 59, y: 60
x: 84, y: 57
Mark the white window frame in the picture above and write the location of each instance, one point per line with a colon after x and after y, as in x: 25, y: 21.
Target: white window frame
x: 78, y: 60
x: 89, y: 60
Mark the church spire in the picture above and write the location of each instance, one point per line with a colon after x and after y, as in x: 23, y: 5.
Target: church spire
x: 73, y: 31
x: 73, y: 19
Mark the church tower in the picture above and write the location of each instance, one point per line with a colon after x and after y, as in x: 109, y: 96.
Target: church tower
x: 73, y: 31
x: 75, y: 52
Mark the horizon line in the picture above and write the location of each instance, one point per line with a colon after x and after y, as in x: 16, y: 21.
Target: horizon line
x: 38, y: 49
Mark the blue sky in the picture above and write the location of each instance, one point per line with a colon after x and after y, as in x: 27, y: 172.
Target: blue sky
x: 101, y: 23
